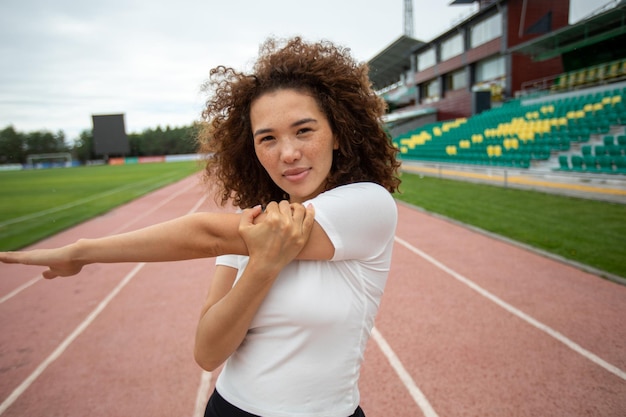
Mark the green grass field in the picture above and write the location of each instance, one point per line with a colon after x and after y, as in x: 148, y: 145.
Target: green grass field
x: 586, y: 231
x: 35, y: 204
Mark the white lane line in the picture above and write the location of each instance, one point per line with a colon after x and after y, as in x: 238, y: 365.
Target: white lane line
x: 203, y: 394
x: 158, y: 206
x: 118, y: 230
x: 520, y: 314
x: 198, y: 204
x: 17, y: 392
x: 20, y: 288
x: 419, y: 397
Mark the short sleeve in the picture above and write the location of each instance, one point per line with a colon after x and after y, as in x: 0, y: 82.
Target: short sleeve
x: 228, y: 260
x: 360, y: 219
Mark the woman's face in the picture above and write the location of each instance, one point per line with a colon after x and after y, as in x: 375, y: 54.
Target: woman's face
x: 293, y: 141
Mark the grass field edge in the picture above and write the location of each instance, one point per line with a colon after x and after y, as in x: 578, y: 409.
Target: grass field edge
x: 579, y: 265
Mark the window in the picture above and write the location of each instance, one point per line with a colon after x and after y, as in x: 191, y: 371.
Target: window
x: 488, y: 29
x: 452, y: 47
x: 431, y: 91
x: 490, y: 69
x: 426, y: 59
x: 456, y: 80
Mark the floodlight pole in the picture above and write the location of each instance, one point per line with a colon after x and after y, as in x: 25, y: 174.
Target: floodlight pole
x: 408, y: 18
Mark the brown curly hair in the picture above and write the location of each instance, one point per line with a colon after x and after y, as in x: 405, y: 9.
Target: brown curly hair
x: 342, y: 89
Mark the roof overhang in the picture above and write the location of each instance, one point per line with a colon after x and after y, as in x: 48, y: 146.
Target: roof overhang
x: 404, y: 115
x: 595, y: 29
x: 386, y: 67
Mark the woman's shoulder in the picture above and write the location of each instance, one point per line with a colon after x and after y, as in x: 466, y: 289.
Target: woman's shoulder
x: 364, y: 186
x: 360, y: 190
x: 352, y: 198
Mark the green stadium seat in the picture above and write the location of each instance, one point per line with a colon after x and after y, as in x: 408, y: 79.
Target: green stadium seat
x: 577, y: 163
x: 541, y: 152
x: 605, y: 164
x: 608, y: 140
x: 522, y: 160
x: 563, y: 163
x: 590, y: 163
x: 614, y: 150
x: 620, y: 164
x: 586, y: 150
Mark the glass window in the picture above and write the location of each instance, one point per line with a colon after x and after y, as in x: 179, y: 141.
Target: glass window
x: 426, y: 59
x: 456, y: 80
x: 490, y: 69
x: 452, y: 47
x: 431, y: 91
x: 488, y: 29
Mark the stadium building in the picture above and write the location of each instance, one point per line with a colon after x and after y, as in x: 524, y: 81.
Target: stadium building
x: 513, y: 85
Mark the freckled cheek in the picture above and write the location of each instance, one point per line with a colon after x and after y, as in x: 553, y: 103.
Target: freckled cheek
x: 267, y: 160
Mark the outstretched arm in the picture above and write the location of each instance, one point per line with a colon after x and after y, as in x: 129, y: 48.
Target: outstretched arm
x: 198, y: 235
x: 193, y: 236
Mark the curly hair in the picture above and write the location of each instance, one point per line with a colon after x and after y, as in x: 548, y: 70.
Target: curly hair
x: 342, y: 89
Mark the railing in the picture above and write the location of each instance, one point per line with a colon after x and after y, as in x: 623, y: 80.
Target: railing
x: 585, y: 77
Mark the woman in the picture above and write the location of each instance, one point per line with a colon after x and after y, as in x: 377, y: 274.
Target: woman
x: 291, y: 309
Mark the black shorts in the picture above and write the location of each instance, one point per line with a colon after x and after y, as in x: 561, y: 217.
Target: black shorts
x: 219, y: 407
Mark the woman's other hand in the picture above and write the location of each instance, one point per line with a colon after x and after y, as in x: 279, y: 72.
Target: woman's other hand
x: 282, y: 233
x: 60, y: 262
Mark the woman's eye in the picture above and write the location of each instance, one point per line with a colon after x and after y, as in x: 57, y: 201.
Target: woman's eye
x: 266, y: 138
x: 304, y: 130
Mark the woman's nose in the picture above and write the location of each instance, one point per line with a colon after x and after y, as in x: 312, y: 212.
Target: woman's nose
x: 290, y: 151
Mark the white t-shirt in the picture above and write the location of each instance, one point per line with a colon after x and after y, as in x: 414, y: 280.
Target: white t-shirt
x: 302, y: 354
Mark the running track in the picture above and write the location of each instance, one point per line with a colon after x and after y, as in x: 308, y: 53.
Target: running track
x: 469, y: 326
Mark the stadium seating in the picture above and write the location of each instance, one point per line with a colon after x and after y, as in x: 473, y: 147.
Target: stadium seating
x: 607, y: 158
x: 596, y: 74
x: 517, y: 135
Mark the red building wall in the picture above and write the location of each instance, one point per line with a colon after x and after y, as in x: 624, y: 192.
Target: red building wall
x: 519, y: 22
x: 456, y: 104
x: 519, y: 16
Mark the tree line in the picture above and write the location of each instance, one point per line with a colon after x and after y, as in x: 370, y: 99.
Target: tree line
x: 15, y: 146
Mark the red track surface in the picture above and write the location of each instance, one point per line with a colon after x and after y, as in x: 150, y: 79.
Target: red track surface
x: 469, y: 326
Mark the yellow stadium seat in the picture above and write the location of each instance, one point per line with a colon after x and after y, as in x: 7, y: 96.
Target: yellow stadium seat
x: 560, y: 83
x: 580, y: 77
x: 592, y: 75
x: 614, y: 70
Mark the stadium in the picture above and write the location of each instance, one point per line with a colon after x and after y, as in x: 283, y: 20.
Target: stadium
x: 512, y: 88
x: 506, y: 295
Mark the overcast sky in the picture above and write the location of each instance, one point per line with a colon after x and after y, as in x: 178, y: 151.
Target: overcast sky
x: 63, y: 61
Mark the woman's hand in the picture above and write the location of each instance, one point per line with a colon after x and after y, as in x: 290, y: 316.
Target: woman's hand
x: 59, y: 261
x: 280, y: 236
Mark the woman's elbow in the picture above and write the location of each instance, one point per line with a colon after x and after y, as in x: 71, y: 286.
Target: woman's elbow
x: 205, y: 361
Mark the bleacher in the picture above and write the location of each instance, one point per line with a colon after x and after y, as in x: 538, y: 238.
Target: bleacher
x: 581, y: 131
x: 597, y: 74
x: 608, y: 157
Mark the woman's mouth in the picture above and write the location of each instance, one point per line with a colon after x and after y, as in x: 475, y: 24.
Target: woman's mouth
x: 296, y: 174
